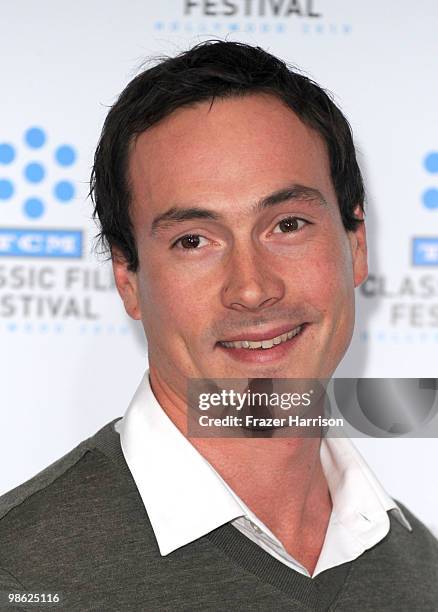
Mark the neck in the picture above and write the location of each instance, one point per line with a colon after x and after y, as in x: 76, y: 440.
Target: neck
x: 280, y: 479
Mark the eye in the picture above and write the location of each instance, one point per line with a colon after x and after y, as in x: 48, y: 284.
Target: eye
x: 189, y: 242
x: 290, y: 224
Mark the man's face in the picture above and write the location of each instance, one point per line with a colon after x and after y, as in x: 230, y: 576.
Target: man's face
x: 230, y: 263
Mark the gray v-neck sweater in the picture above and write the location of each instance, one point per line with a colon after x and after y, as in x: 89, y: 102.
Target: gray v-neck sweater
x: 80, y: 530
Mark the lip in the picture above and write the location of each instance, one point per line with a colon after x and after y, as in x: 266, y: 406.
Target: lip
x: 263, y: 356
x: 258, y: 336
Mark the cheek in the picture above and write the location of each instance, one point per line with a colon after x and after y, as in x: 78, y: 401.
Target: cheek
x: 172, y: 298
x: 334, y: 276
x: 333, y: 295
x: 319, y: 272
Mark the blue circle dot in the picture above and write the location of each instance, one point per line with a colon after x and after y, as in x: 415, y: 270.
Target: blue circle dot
x: 431, y: 162
x: 64, y: 191
x: 33, y: 208
x: 6, y: 189
x: 34, y: 172
x: 7, y: 153
x: 35, y: 137
x: 65, y: 155
x: 430, y: 198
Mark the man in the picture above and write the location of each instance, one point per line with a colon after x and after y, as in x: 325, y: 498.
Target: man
x: 228, y: 192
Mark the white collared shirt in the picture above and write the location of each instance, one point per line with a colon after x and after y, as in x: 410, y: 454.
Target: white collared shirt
x: 186, y: 498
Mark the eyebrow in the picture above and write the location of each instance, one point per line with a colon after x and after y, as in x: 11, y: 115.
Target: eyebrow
x: 177, y: 214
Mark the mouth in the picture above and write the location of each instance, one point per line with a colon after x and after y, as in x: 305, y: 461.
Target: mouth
x: 263, y: 346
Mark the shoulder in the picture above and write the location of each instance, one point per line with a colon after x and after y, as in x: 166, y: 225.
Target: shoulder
x: 411, y: 555
x: 62, y: 504
x: 398, y: 573
x: 41, y: 481
x: 47, y: 478
x: 422, y: 545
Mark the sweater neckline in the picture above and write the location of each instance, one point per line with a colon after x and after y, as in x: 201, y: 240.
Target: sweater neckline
x: 318, y: 593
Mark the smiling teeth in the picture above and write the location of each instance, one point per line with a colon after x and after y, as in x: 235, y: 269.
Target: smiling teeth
x: 264, y: 344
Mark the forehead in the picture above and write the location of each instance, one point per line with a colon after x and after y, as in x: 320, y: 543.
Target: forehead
x: 231, y: 153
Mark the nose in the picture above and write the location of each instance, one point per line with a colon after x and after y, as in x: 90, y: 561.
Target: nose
x: 251, y: 283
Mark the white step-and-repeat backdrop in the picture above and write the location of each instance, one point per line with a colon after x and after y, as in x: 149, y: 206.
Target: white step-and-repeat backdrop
x: 69, y: 357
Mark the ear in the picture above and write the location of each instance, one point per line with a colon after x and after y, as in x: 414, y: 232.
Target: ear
x: 358, y: 246
x: 126, y: 283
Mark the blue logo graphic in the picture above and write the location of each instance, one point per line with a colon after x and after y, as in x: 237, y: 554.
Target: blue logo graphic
x: 40, y: 242
x: 7, y: 153
x: 6, y: 189
x: 34, y: 208
x: 35, y: 138
x: 65, y: 155
x: 34, y: 173
x: 425, y: 251
x: 430, y: 195
x: 64, y: 191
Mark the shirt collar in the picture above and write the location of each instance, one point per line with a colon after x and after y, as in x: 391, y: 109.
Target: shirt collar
x: 182, y: 493
x: 186, y: 498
